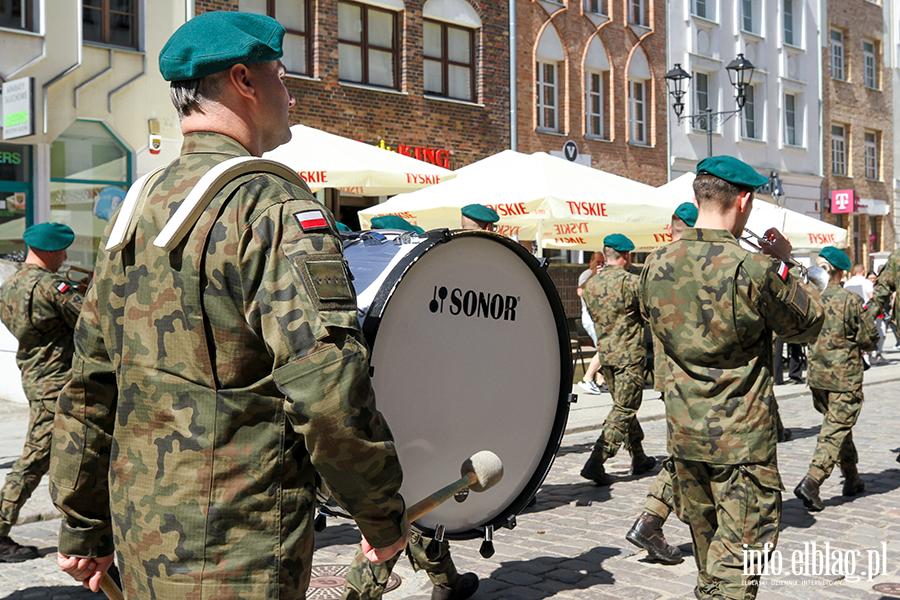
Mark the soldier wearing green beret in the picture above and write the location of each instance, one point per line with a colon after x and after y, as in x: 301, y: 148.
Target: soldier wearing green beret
x: 612, y: 300
x: 39, y: 307
x: 714, y: 306
x: 395, y: 222
x: 835, y: 378
x: 478, y: 216
x: 213, y: 379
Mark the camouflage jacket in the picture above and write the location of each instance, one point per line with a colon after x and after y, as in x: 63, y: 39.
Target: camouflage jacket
x: 714, y: 306
x: 612, y: 300
x: 40, y: 309
x: 885, y: 286
x: 835, y: 358
x: 210, y: 384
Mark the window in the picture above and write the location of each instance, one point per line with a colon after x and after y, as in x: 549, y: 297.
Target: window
x: 838, y: 150
x: 870, y: 68
x: 17, y: 14
x: 368, y: 45
x: 752, y: 114
x: 596, y: 87
x: 637, y: 12
x: 295, y: 16
x: 872, y: 171
x: 449, y: 60
x: 638, y: 105
x: 837, y: 55
x: 705, y: 98
x: 704, y: 8
x: 547, y: 99
x: 792, y: 125
x: 595, y: 6
x: 111, y: 22
x: 789, y: 22
x: 751, y: 11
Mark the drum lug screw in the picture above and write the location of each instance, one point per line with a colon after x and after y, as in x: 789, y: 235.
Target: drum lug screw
x: 573, y: 398
x: 511, y: 522
x: 433, y: 549
x: 487, y: 546
x: 320, y: 522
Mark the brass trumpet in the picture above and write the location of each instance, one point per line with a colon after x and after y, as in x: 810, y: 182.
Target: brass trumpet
x: 815, y: 275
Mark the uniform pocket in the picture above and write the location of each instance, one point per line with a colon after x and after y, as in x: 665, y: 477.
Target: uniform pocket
x: 761, y: 504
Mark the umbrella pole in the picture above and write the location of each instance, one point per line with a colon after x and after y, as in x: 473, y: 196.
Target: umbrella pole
x: 539, y: 252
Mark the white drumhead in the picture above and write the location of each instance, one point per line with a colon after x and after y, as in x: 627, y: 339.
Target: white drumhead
x: 452, y: 380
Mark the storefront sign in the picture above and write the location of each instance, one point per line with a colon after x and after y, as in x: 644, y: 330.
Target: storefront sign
x: 871, y: 206
x: 18, y: 108
x: 434, y: 156
x: 842, y: 201
x: 14, y: 163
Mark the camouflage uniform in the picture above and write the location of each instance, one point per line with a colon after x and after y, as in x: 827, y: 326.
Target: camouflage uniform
x: 714, y: 307
x: 612, y: 300
x: 836, y: 376
x: 367, y: 580
x: 885, y: 286
x: 210, y: 384
x: 660, y: 500
x: 40, y: 309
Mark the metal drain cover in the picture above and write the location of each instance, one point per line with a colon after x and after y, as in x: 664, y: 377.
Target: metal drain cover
x: 887, y: 588
x: 327, y: 582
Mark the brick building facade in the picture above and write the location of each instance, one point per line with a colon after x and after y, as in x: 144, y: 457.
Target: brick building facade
x: 592, y: 71
x: 391, y: 95
x: 857, y: 127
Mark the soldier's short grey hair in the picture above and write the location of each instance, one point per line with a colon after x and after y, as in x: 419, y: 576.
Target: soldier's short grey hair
x: 190, y: 95
x: 612, y: 254
x: 716, y: 193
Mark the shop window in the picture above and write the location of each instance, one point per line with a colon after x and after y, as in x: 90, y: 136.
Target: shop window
x: 368, y: 45
x: 839, y: 150
x: 111, y: 22
x: 449, y: 61
x: 15, y: 198
x: 89, y: 175
x: 295, y: 16
x: 19, y: 14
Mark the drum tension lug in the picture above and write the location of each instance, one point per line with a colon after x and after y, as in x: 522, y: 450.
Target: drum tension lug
x: 320, y: 522
x: 543, y: 263
x: 487, y: 546
x: 573, y: 398
x: 511, y: 522
x: 433, y: 549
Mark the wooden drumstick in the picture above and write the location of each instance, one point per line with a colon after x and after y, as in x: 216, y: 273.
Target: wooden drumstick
x: 480, y: 472
x: 110, y: 588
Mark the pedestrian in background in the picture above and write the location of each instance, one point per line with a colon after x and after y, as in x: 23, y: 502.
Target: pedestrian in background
x: 880, y: 325
x: 589, y: 381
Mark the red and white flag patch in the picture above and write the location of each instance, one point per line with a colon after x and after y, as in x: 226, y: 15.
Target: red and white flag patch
x: 63, y: 287
x: 311, y: 220
x: 783, y: 271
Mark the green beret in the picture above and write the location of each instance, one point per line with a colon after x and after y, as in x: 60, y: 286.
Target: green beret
x: 480, y: 212
x: 618, y: 242
x: 49, y: 237
x: 687, y: 212
x: 342, y: 227
x: 215, y: 41
x: 837, y: 257
x: 732, y: 170
x: 395, y: 222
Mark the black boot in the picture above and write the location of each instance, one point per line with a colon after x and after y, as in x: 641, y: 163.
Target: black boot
x: 641, y: 463
x: 647, y: 533
x: 853, y: 485
x: 12, y: 552
x: 465, y: 587
x: 808, y: 491
x: 593, y: 469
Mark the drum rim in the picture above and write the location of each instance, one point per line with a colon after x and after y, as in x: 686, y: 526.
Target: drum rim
x: 372, y: 321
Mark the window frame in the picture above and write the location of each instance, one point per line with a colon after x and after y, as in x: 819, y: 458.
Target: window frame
x: 837, y: 57
x: 870, y: 65
x: 787, y: 15
x: 710, y: 94
x: 306, y: 35
x: 105, y: 29
x: 633, y: 121
x: 540, y: 86
x: 871, y: 153
x: 751, y: 108
x: 590, y: 93
x: 30, y: 19
x: 790, y: 121
x: 446, y: 63
x: 841, y: 151
x: 643, y: 20
x: 600, y: 7
x: 364, y: 45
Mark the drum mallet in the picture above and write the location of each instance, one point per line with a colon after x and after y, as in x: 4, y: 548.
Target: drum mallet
x: 480, y: 472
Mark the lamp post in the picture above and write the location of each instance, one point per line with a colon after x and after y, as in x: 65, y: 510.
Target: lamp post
x: 740, y: 73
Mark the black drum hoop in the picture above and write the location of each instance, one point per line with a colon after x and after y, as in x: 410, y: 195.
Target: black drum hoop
x: 376, y: 311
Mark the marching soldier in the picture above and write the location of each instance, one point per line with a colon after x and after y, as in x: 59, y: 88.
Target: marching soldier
x: 217, y: 371
x: 835, y: 377
x: 647, y: 530
x: 714, y: 307
x: 612, y: 300
x: 39, y: 308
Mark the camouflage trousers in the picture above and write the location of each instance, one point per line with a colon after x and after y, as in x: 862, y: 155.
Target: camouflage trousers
x: 660, y: 500
x: 29, y: 468
x: 835, y: 444
x: 728, y: 506
x: 366, y: 581
x: 626, y: 384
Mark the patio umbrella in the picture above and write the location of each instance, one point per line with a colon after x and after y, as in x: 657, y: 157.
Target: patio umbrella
x: 325, y: 160
x: 538, y: 196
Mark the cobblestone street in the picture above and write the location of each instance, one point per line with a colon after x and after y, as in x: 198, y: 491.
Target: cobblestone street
x: 571, y: 543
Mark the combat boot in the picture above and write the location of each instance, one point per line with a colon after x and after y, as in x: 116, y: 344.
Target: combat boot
x: 853, y: 485
x: 593, y: 469
x: 12, y: 552
x: 808, y: 491
x: 647, y: 533
x: 465, y: 587
x: 641, y: 463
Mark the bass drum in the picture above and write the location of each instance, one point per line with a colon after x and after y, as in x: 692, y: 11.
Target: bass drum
x: 470, y: 351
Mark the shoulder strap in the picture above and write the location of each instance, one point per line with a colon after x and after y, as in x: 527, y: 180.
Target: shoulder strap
x: 211, y: 184
x: 123, y: 227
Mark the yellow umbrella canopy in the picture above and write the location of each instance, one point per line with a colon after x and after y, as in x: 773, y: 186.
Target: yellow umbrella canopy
x: 325, y: 160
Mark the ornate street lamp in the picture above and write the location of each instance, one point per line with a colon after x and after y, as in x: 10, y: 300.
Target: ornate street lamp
x: 740, y: 73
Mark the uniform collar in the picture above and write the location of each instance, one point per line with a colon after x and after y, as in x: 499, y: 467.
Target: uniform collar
x: 207, y: 142
x: 707, y: 235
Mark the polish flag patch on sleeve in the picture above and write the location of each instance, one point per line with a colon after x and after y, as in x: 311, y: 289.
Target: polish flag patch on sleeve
x: 311, y: 220
x: 63, y: 287
x: 783, y: 271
